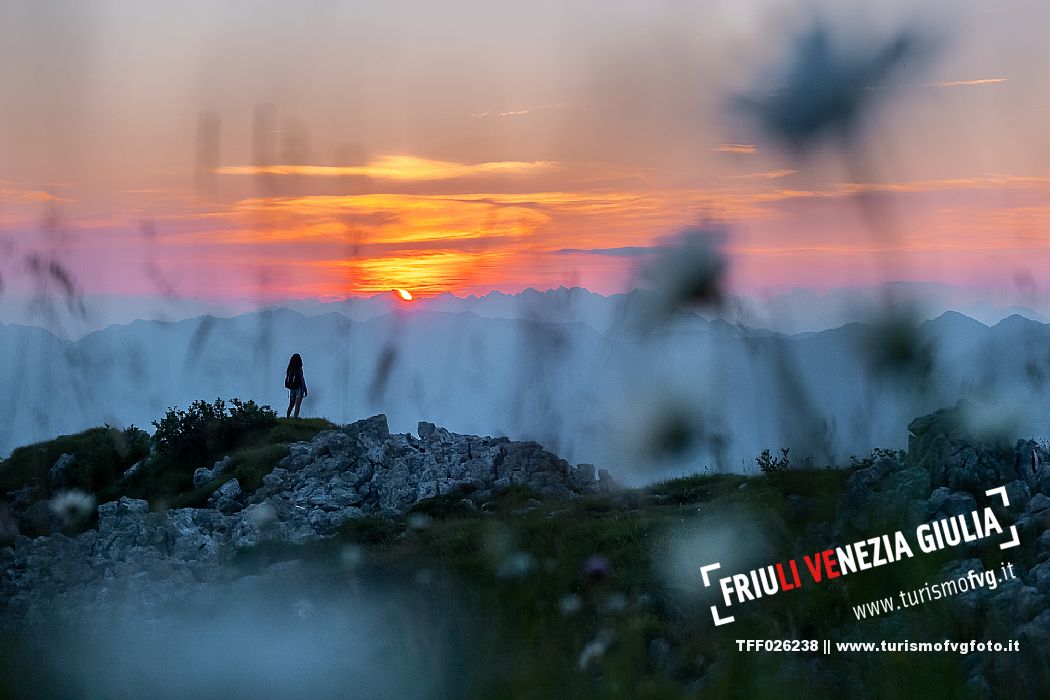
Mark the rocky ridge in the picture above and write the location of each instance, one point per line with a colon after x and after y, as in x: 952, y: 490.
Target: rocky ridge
x: 358, y: 470
x: 951, y: 463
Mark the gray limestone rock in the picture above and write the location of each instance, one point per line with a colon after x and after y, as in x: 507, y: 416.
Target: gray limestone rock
x: 155, y: 558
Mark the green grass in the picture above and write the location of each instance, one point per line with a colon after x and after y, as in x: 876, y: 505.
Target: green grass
x: 166, y: 480
x: 102, y: 455
x: 297, y: 429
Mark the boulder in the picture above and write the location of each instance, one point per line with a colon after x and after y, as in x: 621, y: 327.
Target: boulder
x: 881, y: 497
x: 133, y: 469
x: 952, y: 447
x: 228, y: 498
x: 60, y: 473
x: 1039, y: 577
x: 944, y: 503
x: 204, y: 475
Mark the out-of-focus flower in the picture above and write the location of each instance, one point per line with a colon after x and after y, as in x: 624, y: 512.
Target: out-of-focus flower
x: 419, y: 521
x: 352, y: 556
x: 597, y: 568
x: 671, y: 431
x: 72, y: 506
x: 825, y: 87
x: 516, y: 565
x: 993, y: 420
x: 497, y: 542
x: 570, y: 604
x: 897, y: 347
x: 303, y: 608
x: 662, y: 423
x: 689, y: 271
x: 261, y: 514
x: 596, y: 648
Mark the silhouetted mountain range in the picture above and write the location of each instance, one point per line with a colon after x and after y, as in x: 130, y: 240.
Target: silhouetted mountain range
x: 605, y: 397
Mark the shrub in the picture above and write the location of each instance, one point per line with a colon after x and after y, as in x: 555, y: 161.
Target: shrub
x: 207, y: 428
x: 768, y: 463
x: 877, y: 454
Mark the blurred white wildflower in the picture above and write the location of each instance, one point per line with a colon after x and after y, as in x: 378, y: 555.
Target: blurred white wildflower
x: 516, y: 565
x: 596, y: 648
x: 72, y: 506
x: 352, y: 556
x: 419, y: 521
x: 827, y: 85
x: 303, y: 608
x: 261, y: 514
x: 730, y: 537
x: 497, y: 542
x: 994, y: 420
x: 570, y: 604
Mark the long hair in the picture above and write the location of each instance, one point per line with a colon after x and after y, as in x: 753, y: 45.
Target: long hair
x: 295, y: 363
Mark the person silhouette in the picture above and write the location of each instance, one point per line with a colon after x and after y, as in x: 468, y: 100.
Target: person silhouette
x: 295, y: 382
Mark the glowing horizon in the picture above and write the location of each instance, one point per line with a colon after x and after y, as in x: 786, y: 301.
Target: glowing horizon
x: 566, y: 166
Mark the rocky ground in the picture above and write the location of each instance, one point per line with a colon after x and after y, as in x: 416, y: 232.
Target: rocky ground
x: 341, y: 475
x: 493, y: 568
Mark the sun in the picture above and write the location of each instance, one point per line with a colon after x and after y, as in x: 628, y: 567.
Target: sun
x: 404, y: 294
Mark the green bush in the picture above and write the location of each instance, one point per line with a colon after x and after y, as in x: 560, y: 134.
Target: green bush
x: 249, y: 434
x: 877, y: 454
x: 299, y: 429
x: 768, y: 463
x: 206, y: 428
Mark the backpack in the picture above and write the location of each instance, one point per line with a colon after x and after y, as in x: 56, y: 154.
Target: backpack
x: 291, y: 379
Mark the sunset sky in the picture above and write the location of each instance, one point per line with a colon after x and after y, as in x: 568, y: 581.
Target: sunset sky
x: 323, y: 149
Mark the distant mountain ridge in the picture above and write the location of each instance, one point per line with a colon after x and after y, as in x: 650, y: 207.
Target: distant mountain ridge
x: 603, y: 397
x: 789, y: 312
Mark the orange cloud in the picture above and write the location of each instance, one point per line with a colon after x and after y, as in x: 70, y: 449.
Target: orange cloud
x: 430, y: 243
x: 400, y: 168
x: 513, y: 113
x: 964, y: 83
x: 741, y: 148
x: 766, y: 175
x: 991, y: 181
x: 390, y: 218
x: 10, y: 193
